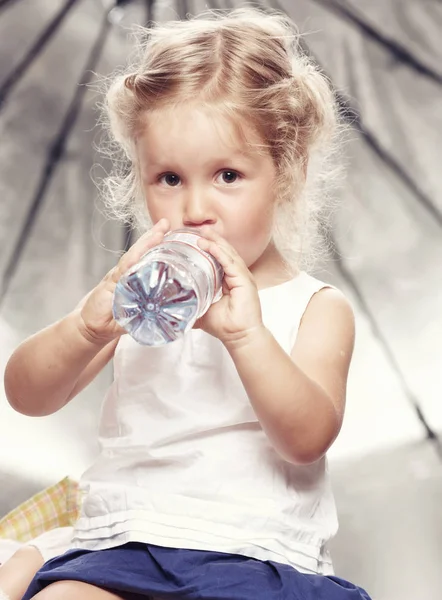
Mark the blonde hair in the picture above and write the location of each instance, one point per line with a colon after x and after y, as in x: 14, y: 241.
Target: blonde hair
x: 248, y: 65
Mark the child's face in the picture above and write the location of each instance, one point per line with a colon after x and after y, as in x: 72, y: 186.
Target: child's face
x: 195, y: 172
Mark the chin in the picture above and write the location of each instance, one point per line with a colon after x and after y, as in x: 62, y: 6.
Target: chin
x: 252, y: 259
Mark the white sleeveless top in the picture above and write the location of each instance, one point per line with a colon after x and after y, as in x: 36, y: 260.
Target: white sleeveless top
x: 185, y: 463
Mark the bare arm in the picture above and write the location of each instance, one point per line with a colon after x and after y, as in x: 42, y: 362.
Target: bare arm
x: 300, y: 399
x: 52, y: 366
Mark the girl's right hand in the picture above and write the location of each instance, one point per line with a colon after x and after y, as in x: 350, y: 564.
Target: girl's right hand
x: 96, y: 321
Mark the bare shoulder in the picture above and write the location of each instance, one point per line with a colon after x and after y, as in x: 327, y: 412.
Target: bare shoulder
x: 329, y: 305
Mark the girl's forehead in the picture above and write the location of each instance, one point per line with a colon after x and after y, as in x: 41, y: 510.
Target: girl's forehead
x: 205, y: 125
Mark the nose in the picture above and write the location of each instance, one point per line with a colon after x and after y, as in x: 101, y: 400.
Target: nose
x: 198, y: 209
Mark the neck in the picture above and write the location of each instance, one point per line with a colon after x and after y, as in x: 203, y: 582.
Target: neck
x: 270, y: 269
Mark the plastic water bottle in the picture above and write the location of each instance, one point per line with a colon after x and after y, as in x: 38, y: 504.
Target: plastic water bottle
x: 159, y: 299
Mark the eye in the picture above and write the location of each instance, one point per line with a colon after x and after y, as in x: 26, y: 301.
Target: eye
x: 170, y: 179
x: 229, y: 176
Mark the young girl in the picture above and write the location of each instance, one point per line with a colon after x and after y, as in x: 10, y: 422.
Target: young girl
x: 212, y: 480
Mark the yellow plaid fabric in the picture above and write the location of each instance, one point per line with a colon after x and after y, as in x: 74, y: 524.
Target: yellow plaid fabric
x: 56, y: 506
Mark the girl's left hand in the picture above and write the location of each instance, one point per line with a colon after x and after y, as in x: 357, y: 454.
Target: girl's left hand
x: 238, y: 313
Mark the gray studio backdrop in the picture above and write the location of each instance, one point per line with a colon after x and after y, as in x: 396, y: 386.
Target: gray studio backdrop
x: 384, y: 58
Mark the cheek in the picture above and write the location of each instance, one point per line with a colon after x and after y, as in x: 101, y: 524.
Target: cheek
x: 250, y: 229
x: 159, y: 209
x: 251, y: 238
x: 156, y: 213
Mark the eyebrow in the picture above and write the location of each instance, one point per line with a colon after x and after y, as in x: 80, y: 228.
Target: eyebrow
x: 217, y: 161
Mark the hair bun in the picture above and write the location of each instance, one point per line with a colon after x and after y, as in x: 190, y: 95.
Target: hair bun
x: 129, y: 81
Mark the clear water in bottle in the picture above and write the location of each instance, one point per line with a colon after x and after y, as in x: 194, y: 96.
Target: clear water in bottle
x: 159, y: 299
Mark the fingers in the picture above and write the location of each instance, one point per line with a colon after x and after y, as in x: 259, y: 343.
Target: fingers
x: 220, y: 242
x: 210, y: 234
x: 231, y: 262
x: 148, y: 240
x: 145, y: 242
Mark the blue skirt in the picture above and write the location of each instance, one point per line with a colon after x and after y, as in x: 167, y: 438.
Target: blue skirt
x: 137, y: 571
